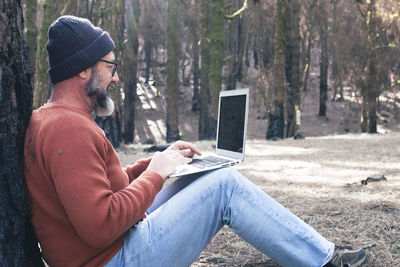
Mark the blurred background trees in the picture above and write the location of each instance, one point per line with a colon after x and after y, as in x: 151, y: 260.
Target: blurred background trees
x: 208, y: 46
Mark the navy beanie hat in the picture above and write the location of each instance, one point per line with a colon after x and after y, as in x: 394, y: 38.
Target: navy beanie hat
x: 75, y: 45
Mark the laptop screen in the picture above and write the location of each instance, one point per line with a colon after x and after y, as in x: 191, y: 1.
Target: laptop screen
x: 232, y: 123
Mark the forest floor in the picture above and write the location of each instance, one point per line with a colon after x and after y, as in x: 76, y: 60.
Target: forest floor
x: 318, y: 178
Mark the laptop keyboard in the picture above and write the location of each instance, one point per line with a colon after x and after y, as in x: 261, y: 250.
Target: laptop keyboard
x: 208, y: 161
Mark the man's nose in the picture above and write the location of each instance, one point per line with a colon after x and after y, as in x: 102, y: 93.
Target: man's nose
x: 115, y: 78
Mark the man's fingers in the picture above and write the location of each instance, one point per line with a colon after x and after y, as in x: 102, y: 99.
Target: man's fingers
x: 186, y: 152
x: 182, y: 146
x: 193, y: 149
x: 187, y: 160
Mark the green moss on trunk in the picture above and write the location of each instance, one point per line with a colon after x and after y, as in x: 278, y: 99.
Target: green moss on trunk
x: 172, y: 72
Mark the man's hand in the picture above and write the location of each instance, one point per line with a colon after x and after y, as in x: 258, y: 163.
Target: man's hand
x: 187, y: 150
x: 164, y: 163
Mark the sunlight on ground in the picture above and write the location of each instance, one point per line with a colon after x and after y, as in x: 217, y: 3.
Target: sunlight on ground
x: 148, y: 97
x: 327, y: 166
x: 260, y: 148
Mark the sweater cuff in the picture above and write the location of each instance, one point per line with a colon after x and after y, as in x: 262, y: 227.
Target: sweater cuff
x: 134, y: 171
x: 154, y: 178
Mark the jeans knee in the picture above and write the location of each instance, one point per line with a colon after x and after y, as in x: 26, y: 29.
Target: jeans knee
x: 229, y: 176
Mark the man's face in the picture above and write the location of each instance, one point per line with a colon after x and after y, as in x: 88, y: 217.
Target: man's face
x: 98, y: 87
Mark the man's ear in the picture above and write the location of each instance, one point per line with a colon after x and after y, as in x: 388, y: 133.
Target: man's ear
x: 85, y: 74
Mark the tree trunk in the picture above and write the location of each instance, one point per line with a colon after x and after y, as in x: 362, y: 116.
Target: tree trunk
x: 119, y: 39
x: 306, y: 47
x: 231, y: 43
x: 244, y: 62
x: 276, y: 116
x: 241, y: 36
x: 337, y: 62
x: 323, y: 85
x: 232, y: 46
x: 196, y: 69
x: 147, y: 57
x: 293, y: 45
x: 31, y: 31
x: 132, y: 13
x: 71, y: 8
x: 364, y: 109
x: 147, y: 30
x: 204, y: 71
x: 117, y: 26
x: 172, y: 72
x: 216, y: 62
x: 18, y: 243
x: 372, y: 72
x: 43, y: 86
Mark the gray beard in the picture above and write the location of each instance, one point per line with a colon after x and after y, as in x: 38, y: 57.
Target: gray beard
x: 104, y: 105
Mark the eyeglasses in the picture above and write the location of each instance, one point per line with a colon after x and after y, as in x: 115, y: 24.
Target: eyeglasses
x: 115, y: 63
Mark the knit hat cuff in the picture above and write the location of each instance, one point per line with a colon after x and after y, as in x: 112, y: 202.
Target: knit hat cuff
x: 83, y: 59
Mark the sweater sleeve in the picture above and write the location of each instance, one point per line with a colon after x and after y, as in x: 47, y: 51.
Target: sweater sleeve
x: 137, y: 169
x: 76, y: 159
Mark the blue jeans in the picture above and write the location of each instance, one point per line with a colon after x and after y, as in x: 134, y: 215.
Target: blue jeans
x: 187, y: 214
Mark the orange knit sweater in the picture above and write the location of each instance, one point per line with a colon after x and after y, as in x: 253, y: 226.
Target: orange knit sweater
x: 82, y: 201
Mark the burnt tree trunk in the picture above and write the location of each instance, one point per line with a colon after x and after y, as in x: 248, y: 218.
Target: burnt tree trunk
x: 196, y: 67
x: 216, y: 62
x: 172, y: 72
x: 324, y: 63
x: 276, y: 116
x: 205, y: 99
x: 147, y: 56
x: 18, y: 244
x: 372, y: 71
x: 132, y: 14
x: 293, y: 67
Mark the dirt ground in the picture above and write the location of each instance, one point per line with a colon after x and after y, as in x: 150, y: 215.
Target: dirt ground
x: 317, y: 178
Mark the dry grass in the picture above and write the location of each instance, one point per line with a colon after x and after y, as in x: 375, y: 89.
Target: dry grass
x: 319, y: 180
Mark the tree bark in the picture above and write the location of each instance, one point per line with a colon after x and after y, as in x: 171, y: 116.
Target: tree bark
x: 119, y: 39
x: 204, y: 71
x: 276, y: 116
x: 172, y: 72
x: 18, y: 243
x: 323, y: 85
x: 196, y: 67
x: 337, y: 61
x: 132, y: 14
x: 371, y: 93
x: 147, y: 57
x: 148, y: 31
x: 31, y: 30
x: 43, y: 86
x: 293, y: 46
x: 216, y: 60
x: 233, y: 43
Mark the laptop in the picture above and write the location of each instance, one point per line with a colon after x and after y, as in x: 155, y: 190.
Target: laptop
x: 231, y: 135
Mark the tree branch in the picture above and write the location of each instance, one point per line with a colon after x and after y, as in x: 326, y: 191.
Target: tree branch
x: 243, y: 8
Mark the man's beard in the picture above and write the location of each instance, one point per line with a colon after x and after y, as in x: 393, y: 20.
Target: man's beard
x: 104, y: 105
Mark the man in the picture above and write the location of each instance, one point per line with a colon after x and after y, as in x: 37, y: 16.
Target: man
x: 89, y: 211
